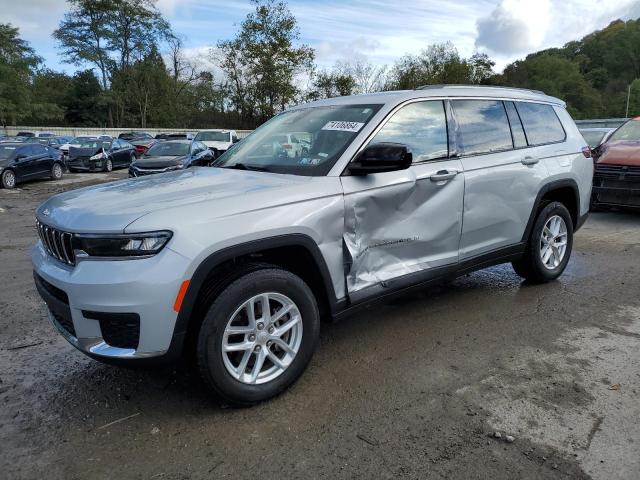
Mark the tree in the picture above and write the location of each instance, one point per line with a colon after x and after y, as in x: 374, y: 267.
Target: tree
x: 18, y: 67
x: 84, y: 35
x: 438, y: 64
x: 85, y: 104
x: 261, y: 63
x: 331, y: 84
x: 368, y: 78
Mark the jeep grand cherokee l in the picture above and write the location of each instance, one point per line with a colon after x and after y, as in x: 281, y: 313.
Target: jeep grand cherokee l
x: 237, y: 264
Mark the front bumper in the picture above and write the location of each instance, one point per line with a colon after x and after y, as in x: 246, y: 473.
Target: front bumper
x: 85, y: 164
x: 616, y: 186
x: 118, y: 311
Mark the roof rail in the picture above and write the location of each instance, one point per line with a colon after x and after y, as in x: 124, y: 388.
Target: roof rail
x: 460, y: 85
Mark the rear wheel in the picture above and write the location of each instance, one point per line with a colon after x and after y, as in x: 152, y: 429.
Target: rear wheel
x: 549, y: 247
x: 56, y: 171
x: 258, y: 336
x: 8, y: 179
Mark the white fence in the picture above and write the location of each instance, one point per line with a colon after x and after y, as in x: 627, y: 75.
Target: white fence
x: 114, y: 132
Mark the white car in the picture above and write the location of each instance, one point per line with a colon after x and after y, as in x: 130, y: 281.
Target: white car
x: 296, y: 144
x: 218, y: 141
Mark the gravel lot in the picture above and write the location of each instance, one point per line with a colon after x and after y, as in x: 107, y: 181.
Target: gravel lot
x: 410, y: 389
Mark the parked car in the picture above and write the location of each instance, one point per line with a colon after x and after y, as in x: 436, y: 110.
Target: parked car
x: 35, y: 134
x: 76, y: 141
x: 171, y: 155
x: 53, y: 142
x: 616, y: 180
x: 296, y: 145
x: 142, y: 145
x: 20, y: 162
x: 236, y: 264
x: 100, y: 155
x: 595, y: 136
x: 14, y: 139
x: 128, y: 136
x: 179, y: 136
x: 218, y: 141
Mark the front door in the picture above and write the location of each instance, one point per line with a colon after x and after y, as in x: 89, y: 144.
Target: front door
x: 404, y: 226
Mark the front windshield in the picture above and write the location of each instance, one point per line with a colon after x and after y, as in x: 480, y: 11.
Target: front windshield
x: 274, y: 147
x: 213, y: 137
x: 628, y: 131
x: 593, y: 138
x: 94, y: 144
x: 168, y: 149
x: 6, y: 151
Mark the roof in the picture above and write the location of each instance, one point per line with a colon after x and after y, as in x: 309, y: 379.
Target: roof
x: 398, y: 96
x: 13, y: 144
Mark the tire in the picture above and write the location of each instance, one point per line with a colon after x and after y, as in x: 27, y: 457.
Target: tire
x: 216, y: 365
x: 8, y: 179
x: 532, y: 266
x: 56, y: 171
x: 108, y: 165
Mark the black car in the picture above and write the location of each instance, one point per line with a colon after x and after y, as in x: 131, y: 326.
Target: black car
x: 128, y: 136
x: 53, y: 142
x: 20, y: 162
x: 100, y: 155
x: 171, y: 155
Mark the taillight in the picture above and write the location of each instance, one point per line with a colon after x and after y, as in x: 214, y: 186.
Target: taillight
x: 586, y: 151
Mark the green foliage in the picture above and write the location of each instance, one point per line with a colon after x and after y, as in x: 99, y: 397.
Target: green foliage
x: 438, y: 64
x: 262, y: 62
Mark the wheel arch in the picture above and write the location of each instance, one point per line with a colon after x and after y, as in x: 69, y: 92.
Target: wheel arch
x: 564, y: 191
x: 297, y: 253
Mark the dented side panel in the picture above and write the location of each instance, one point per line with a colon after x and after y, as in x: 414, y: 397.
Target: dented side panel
x: 403, y: 222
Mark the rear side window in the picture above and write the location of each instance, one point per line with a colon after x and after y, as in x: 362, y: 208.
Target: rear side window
x: 519, y: 139
x: 483, y: 126
x: 541, y: 124
x: 421, y: 126
x: 37, y: 149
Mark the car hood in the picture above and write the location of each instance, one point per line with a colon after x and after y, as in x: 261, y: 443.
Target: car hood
x: 621, y: 152
x: 159, y: 162
x: 75, y: 152
x: 110, y: 207
x: 218, y: 145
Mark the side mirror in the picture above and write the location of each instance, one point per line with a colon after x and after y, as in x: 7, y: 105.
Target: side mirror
x: 235, y: 140
x: 381, y: 157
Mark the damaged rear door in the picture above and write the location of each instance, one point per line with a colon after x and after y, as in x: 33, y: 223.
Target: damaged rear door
x: 403, y: 227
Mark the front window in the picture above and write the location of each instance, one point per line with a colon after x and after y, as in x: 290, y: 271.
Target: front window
x: 330, y: 131
x: 168, y: 149
x: 628, y: 131
x: 213, y: 137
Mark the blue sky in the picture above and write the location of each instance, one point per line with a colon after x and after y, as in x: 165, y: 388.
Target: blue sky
x: 380, y: 31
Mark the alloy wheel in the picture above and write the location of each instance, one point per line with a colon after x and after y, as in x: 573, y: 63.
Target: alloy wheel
x: 57, y: 171
x: 262, y: 338
x: 9, y: 179
x: 553, y: 242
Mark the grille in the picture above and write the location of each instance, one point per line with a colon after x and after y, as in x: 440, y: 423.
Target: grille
x: 616, y: 170
x: 58, y: 244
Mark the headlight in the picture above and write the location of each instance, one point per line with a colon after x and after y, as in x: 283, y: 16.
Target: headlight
x: 99, y: 156
x: 125, y: 245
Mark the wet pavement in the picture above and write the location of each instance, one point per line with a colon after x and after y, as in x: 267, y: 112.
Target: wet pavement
x: 409, y: 389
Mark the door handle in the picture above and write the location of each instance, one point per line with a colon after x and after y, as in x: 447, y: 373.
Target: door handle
x: 443, y: 175
x: 530, y: 160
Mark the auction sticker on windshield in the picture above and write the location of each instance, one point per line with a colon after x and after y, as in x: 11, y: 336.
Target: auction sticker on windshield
x: 343, y: 126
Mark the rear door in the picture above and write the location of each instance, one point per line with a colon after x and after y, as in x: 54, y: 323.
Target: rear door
x: 42, y: 160
x: 502, y: 175
x: 404, y: 226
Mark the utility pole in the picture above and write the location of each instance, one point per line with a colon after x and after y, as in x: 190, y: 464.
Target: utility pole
x: 628, y: 96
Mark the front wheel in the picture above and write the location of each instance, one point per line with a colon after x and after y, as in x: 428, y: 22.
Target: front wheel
x: 108, y: 165
x: 258, y: 336
x: 549, y: 247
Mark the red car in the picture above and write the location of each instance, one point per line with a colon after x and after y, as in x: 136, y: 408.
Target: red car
x: 616, y: 177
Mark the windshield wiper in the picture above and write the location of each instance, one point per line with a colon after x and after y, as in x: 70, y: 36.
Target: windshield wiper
x: 244, y: 166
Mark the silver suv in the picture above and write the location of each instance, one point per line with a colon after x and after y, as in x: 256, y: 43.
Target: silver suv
x: 237, y: 264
